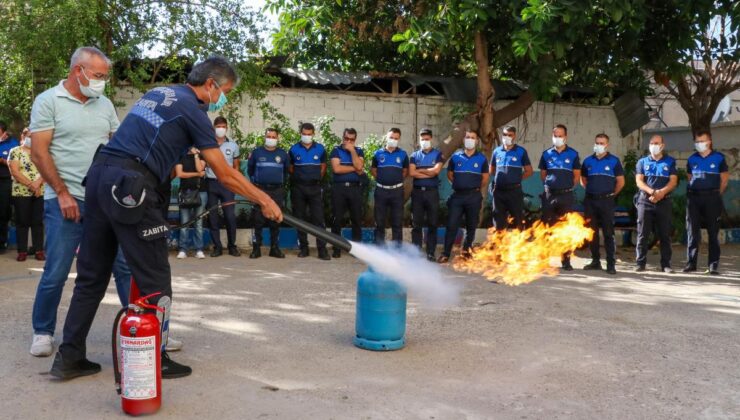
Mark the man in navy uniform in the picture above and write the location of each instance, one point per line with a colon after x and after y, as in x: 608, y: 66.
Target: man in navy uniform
x: 467, y: 170
x: 122, y: 207
x: 390, y: 167
x: 603, y: 177
x: 267, y: 168
x: 510, y: 165
x: 656, y: 178
x: 307, y: 168
x: 424, y: 166
x: 708, y: 176
x: 560, y: 169
x: 347, y: 164
x: 219, y: 194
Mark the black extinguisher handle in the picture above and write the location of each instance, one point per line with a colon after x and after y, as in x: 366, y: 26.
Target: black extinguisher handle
x: 114, y: 350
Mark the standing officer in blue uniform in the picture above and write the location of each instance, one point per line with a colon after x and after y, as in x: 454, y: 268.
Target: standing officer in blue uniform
x: 390, y: 167
x: 467, y: 170
x: 656, y: 178
x: 424, y: 166
x: 603, y: 177
x: 219, y: 194
x: 347, y: 165
x: 510, y: 165
x: 560, y: 169
x: 308, y: 167
x: 708, y: 177
x: 267, y: 168
x: 122, y: 207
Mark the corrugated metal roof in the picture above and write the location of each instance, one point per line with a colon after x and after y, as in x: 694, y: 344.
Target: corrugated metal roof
x: 323, y: 77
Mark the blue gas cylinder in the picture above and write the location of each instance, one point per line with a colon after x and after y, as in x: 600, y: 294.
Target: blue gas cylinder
x: 381, y: 313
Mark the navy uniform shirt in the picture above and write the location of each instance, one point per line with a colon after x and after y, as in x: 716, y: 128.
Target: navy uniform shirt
x: 468, y: 170
x: 307, y: 161
x: 428, y: 160
x: 559, y: 167
x: 161, y: 127
x: 390, y: 166
x: 657, y: 172
x: 5, y: 147
x: 601, y: 173
x: 267, y: 167
x: 705, y: 170
x: 345, y: 159
x: 509, y: 165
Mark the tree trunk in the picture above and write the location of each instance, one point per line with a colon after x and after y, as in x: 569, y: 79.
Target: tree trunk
x: 486, y: 94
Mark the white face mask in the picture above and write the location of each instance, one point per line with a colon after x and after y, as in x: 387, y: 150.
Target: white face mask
x: 469, y: 143
x: 425, y: 144
x: 220, y: 132
x: 392, y: 143
x: 95, y: 88
x: 655, y: 149
x: 599, y: 149
x: 701, y: 146
x: 558, y: 141
x: 306, y: 139
x: 507, y: 141
x: 27, y: 141
x: 270, y: 142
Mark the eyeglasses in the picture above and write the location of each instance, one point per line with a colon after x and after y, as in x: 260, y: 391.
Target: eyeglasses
x: 98, y: 76
x: 349, y: 139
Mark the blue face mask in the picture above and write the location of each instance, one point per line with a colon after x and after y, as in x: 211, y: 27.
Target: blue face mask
x: 220, y: 103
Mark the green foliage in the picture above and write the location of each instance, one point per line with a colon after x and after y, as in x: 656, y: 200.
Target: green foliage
x: 629, y: 163
x: 459, y: 112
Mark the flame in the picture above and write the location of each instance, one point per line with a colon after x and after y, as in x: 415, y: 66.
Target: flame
x: 515, y: 257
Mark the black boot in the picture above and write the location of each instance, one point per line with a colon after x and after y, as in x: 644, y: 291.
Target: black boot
x: 256, y: 252
x: 171, y: 369
x: 276, y: 252
x: 66, y: 369
x: 217, y: 252
x: 336, y: 253
x: 303, y: 253
x: 593, y: 265
x: 324, y: 254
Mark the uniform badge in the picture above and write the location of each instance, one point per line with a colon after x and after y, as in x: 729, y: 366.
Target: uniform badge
x: 277, y: 159
x: 262, y: 159
x: 459, y: 164
x: 607, y: 168
x: 514, y: 159
x: 381, y: 158
x: 498, y: 160
x: 398, y: 160
x: 315, y: 157
x: 711, y: 166
x: 696, y: 166
x: 567, y: 160
x: 475, y: 165
x: 228, y: 153
x: 298, y: 157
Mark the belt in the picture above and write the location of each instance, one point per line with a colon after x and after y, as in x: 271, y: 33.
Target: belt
x: 558, y: 192
x: 426, y: 188
x: 467, y: 191
x: 307, y: 183
x: 126, y: 163
x: 703, y: 192
x: 269, y: 186
x: 600, y: 196
x: 389, y: 187
x: 347, y: 184
x: 506, y: 187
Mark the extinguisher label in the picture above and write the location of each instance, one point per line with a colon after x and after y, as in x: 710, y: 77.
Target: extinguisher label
x: 139, y: 376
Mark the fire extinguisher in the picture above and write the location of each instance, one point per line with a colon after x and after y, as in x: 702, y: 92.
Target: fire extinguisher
x: 137, y: 364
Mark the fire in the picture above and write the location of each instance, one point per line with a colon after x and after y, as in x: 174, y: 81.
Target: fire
x: 517, y: 257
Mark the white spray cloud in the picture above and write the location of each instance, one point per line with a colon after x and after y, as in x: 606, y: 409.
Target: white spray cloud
x: 423, y: 279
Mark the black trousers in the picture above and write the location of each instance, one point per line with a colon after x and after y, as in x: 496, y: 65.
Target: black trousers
x: 277, y: 195
x: 555, y: 206
x: 29, y: 213
x: 144, y: 245
x: 308, y: 205
x: 508, y: 204
x: 466, y: 204
x: 600, y: 215
x: 388, y: 201
x: 217, y: 193
x: 6, y: 187
x: 343, y: 198
x: 424, y: 214
x: 650, y: 216
x: 703, y: 209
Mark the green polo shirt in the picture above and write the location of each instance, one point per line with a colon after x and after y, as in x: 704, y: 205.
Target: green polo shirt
x: 78, y: 130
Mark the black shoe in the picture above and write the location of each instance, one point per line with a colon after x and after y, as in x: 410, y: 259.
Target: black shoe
x: 567, y: 267
x: 217, y: 252
x: 336, y: 253
x: 324, y: 254
x: 234, y: 252
x: 171, y: 369
x: 276, y: 252
x: 689, y: 268
x: 63, y: 369
x: 303, y: 253
x: 610, y: 269
x: 640, y: 268
x: 593, y: 265
x: 431, y: 257
x: 256, y: 252
x: 712, y: 271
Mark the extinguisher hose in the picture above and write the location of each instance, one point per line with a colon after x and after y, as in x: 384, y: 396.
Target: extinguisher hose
x: 114, y: 349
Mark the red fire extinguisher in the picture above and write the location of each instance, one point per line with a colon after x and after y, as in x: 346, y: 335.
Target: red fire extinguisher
x: 137, y: 364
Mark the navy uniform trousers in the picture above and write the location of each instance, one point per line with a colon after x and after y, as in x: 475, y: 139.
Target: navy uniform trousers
x: 277, y: 193
x: 144, y: 245
x: 424, y: 214
x: 347, y: 196
x: 462, y: 203
x: 599, y: 211
x: 554, y: 206
x: 308, y: 198
x: 703, y: 209
x: 217, y: 193
x: 508, y: 203
x: 652, y: 217
x: 388, y: 201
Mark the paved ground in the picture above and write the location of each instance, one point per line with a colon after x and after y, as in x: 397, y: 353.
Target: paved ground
x: 272, y: 339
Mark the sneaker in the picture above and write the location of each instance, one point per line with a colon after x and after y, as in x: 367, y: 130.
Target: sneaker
x: 173, y: 345
x: 611, y: 270
x: 276, y: 252
x: 217, y: 252
x: 324, y: 254
x: 640, y: 269
x: 256, y: 252
x: 593, y: 265
x: 303, y: 253
x: 21, y: 256
x: 234, y: 252
x: 336, y: 253
x: 40, y: 256
x: 689, y: 268
x: 668, y: 270
x: 64, y: 369
x: 42, y: 346
x: 712, y: 271
x: 200, y: 255
x: 172, y: 369
x: 181, y: 255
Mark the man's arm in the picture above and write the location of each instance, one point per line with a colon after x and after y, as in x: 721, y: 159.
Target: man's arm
x: 576, y: 176
x: 450, y: 176
x: 338, y: 168
x: 543, y: 175
x: 180, y: 173
x: 432, y: 172
x: 528, y: 171
x: 484, y: 182
x: 40, y: 156
x: 237, y: 164
x: 235, y: 182
x: 357, y: 161
x: 620, y: 184
x: 640, y: 181
x: 724, y: 179
x: 584, y: 180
